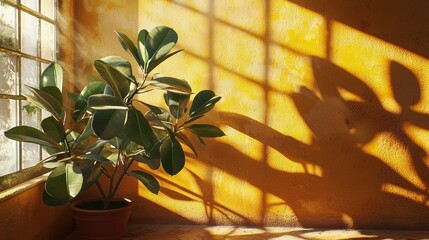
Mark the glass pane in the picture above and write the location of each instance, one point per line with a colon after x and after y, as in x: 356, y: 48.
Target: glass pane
x: 48, y: 8
x: 48, y: 41
x: 29, y: 33
x: 8, y: 148
x: 33, y: 4
x: 30, y: 74
x: 30, y: 151
x: 8, y: 71
x: 8, y: 32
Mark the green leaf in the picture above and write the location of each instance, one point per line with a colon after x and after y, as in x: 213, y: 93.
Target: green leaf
x: 203, y: 102
x: 52, y: 76
x: 105, y: 102
x: 171, y: 84
x: 107, y: 124
x: 73, y: 96
x: 138, y: 130
x: 120, y: 64
x: 82, y: 101
x: 51, y: 201
x: 119, y: 83
x: 152, y: 158
x: 148, y: 180
x: 176, y: 103
x: 45, y: 101
x: 143, y: 54
x: 191, y: 119
x: 56, y: 185
x: 54, y: 129
x: 172, y: 156
x: 94, y: 157
x: 86, y: 133
x: 32, y: 135
x: 206, y: 130
x: 128, y: 45
x: 154, y: 64
x: 188, y: 143
x: 54, y: 92
x: 74, y: 179
x: 160, y: 41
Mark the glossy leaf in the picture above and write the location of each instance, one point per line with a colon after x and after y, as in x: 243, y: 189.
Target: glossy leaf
x: 54, y: 129
x: 206, y: 130
x: 128, y: 45
x: 143, y: 54
x: 120, y: 64
x: 74, y: 179
x: 82, y: 100
x: 105, y: 102
x: 52, y: 76
x: 188, y: 143
x: 148, y: 180
x: 138, y: 130
x: 56, y: 185
x: 107, y: 124
x: 54, y: 92
x: 176, y: 103
x: 154, y: 64
x: 51, y: 201
x: 172, y: 156
x: 153, y: 162
x: 32, y: 135
x: 191, y: 119
x: 46, y: 101
x: 203, y: 102
x: 94, y: 157
x: 159, y: 42
x: 171, y: 84
x: 119, y: 83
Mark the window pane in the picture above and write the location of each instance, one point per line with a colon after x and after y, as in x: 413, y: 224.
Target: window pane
x: 33, y: 4
x: 30, y: 151
x: 30, y: 74
x: 8, y: 148
x: 48, y: 41
x: 8, y: 32
x: 29, y: 33
x: 8, y: 67
x: 48, y: 8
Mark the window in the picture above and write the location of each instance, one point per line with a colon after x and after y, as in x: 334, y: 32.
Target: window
x: 27, y: 47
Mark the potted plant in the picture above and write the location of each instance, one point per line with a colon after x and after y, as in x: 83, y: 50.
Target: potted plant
x: 114, y: 127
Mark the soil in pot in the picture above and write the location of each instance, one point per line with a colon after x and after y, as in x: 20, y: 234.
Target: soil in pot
x: 93, y: 222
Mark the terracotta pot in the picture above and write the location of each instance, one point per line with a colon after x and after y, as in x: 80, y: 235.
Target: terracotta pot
x: 110, y: 224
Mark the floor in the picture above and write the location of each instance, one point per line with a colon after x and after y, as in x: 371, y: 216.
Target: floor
x: 193, y: 232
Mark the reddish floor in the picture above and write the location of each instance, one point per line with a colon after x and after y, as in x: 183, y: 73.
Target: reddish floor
x: 196, y: 232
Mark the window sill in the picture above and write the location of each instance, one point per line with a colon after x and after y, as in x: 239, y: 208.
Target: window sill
x: 20, y: 188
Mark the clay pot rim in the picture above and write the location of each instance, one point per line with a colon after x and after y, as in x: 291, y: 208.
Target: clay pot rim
x: 74, y: 207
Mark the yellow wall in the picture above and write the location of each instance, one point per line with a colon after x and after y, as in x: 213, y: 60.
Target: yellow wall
x: 324, y: 104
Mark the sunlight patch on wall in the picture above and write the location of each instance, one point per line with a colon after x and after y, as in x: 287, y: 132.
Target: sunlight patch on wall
x: 285, y: 118
x: 406, y: 193
x: 251, y: 49
x: 395, y: 155
x: 244, y: 95
x: 298, y: 28
x: 191, y: 26
x: 196, y: 5
x: 288, y: 70
x: 229, y: 11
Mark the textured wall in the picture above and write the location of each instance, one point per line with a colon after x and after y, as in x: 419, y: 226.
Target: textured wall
x: 26, y: 217
x: 324, y: 104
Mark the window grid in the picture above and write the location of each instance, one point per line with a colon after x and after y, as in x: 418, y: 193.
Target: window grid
x: 17, y: 51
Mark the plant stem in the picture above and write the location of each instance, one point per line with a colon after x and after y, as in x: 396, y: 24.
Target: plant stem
x: 125, y: 170
x: 103, y: 194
